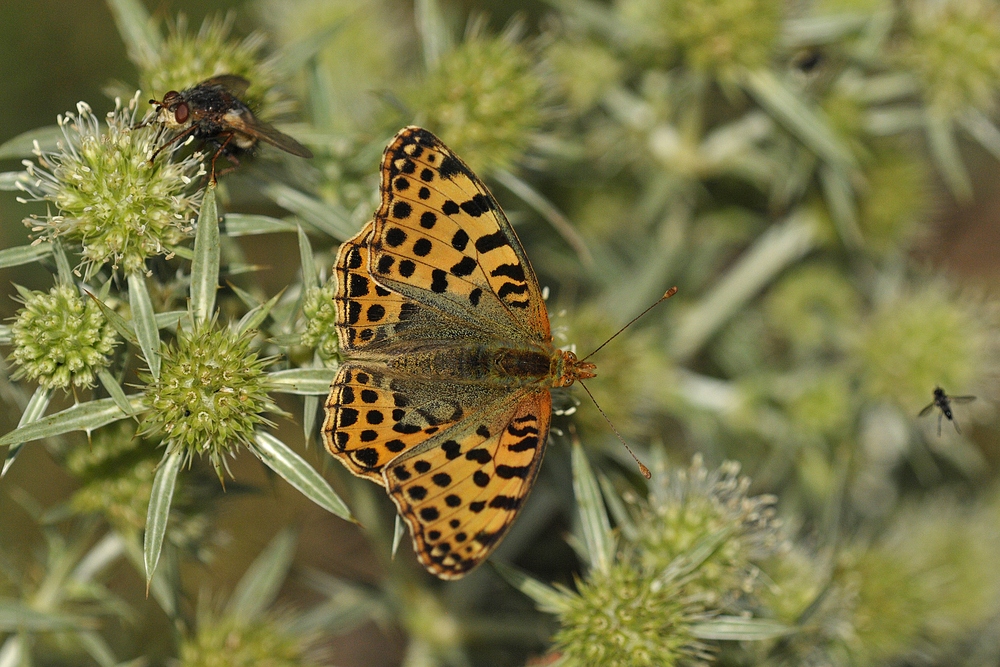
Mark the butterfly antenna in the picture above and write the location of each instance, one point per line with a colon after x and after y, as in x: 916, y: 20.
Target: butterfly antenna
x: 642, y: 468
x: 666, y: 295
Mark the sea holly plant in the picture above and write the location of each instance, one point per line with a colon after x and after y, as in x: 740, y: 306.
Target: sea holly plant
x: 204, y: 394
x: 668, y: 581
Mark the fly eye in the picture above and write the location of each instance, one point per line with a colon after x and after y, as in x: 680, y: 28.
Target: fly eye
x: 181, y: 113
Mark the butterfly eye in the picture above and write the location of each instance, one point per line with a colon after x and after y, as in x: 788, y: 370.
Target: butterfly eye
x: 181, y: 113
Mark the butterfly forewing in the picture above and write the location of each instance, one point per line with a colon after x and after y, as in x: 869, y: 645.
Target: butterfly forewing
x: 441, y: 237
x: 460, y: 491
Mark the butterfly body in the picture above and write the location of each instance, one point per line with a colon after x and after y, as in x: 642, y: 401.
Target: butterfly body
x: 444, y: 397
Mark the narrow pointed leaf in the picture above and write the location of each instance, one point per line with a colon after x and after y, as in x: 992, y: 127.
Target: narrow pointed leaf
x: 144, y: 322
x: 776, y: 249
x: 398, y: 533
x: 24, y: 254
x: 302, y: 381
x: 617, y: 509
x: 33, y: 411
x: 117, y: 393
x: 241, y: 224
x: 982, y: 130
x: 435, y: 37
x: 170, y: 318
x: 310, y: 405
x: 597, y: 536
x: 120, y: 324
x: 142, y: 41
x: 254, y: 318
x: 96, y: 648
x: 15, y: 615
x: 546, y: 598
x: 947, y: 156
x: 801, y: 120
x: 23, y: 145
x: 259, y: 586
x: 310, y: 276
x: 280, y: 458
x: 736, y: 628
x: 83, y: 417
x: 327, y: 218
x: 549, y: 213
x: 62, y: 263
x: 205, y: 265
x: 158, y: 513
x: 843, y: 209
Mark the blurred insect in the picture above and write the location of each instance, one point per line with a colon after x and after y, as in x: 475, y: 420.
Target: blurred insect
x: 807, y: 60
x: 943, y: 402
x: 213, y: 112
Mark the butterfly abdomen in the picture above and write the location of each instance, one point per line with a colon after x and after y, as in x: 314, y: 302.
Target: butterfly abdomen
x: 475, y: 362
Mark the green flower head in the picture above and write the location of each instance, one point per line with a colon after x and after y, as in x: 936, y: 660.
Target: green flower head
x: 628, y: 618
x: 60, y: 338
x: 120, y: 207
x: 954, y: 48
x: 484, y: 100
x: 185, y: 59
x: 211, y: 393
x: 321, y: 314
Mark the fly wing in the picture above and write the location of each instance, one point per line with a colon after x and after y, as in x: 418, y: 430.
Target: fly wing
x: 243, y: 121
x: 927, y: 410
x: 961, y: 399
x: 234, y: 84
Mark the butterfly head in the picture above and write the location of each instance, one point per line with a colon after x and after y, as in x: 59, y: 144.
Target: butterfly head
x: 567, y: 369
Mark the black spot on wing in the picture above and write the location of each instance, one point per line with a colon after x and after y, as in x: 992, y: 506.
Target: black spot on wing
x: 489, y: 242
x: 450, y: 165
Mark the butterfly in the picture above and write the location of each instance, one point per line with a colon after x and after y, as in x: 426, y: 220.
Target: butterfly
x: 444, y: 397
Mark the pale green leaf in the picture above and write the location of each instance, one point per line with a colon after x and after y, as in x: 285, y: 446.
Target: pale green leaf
x: 23, y: 145
x: 598, y: 539
x: 243, y: 224
x: 158, y: 513
x: 737, y: 628
x: 205, y: 265
x: 330, y: 219
x: 291, y: 467
x: 82, y: 417
x: 144, y: 322
x: 117, y: 393
x: 138, y: 31
x: 546, y: 598
x: 259, y: 586
x: 310, y: 275
x: 24, y: 254
x: 37, y: 405
x: 302, y: 380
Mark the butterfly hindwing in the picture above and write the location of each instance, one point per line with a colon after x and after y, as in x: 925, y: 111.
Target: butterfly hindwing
x: 461, y: 491
x: 440, y: 237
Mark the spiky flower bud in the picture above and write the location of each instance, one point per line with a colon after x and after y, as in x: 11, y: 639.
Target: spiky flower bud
x: 714, y: 36
x: 629, y: 618
x: 116, y: 473
x: 926, y: 337
x: 211, y: 393
x: 484, y: 100
x: 232, y: 642
x: 60, y: 338
x: 187, y: 58
x: 954, y: 49
x: 686, y: 506
x: 320, y: 312
x: 119, y: 206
